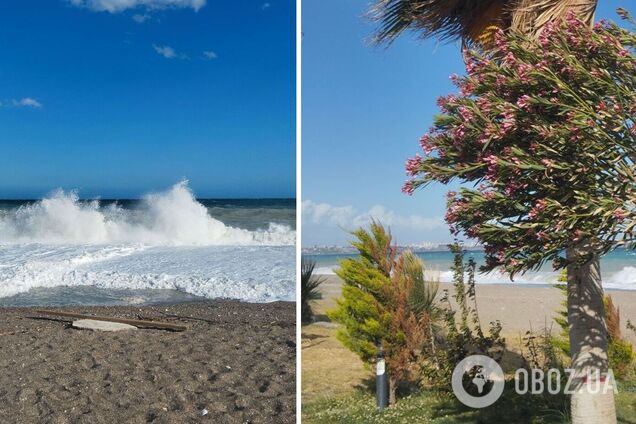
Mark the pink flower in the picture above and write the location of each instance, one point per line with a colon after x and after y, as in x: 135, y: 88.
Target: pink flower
x: 441, y: 103
x: 500, y: 81
x: 500, y: 39
x: 510, y: 59
x: 484, y: 105
x: 459, y: 132
x: 514, y: 262
x: 620, y: 214
x: 549, y: 163
x: 413, y: 165
x: 491, y: 131
x: 426, y: 144
x: 524, y: 69
x: 539, y: 207
x: 408, y: 188
x: 510, y: 189
x: 541, y: 204
x: 524, y: 101
x: 578, y: 235
x: 466, y: 114
x: 509, y: 121
x: 491, y: 160
x: 473, y: 231
x: 466, y: 89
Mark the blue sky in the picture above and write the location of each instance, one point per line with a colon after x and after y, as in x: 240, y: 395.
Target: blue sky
x: 117, y: 101
x: 364, y: 110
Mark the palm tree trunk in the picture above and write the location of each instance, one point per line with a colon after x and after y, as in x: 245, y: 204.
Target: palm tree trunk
x: 588, y: 337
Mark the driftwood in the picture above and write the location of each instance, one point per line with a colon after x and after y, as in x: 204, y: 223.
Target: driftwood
x: 135, y: 322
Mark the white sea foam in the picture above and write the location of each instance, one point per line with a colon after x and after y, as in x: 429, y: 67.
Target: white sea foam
x: 173, y: 218
x: 623, y: 278
x: 249, y: 273
x: 168, y: 242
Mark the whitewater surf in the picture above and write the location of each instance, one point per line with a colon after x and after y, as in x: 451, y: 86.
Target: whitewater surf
x: 164, y: 246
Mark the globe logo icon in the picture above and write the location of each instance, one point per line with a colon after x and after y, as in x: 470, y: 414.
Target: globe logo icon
x: 478, y: 381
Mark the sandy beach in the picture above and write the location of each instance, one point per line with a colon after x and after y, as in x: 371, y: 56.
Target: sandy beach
x: 518, y: 307
x: 234, y: 364
x: 330, y: 370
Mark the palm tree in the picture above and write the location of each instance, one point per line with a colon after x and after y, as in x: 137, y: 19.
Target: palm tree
x: 474, y: 23
x: 308, y: 288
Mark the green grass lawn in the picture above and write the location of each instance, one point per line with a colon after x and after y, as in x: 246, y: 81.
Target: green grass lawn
x: 338, y: 389
x: 442, y: 408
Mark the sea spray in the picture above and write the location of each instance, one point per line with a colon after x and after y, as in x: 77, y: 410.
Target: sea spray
x: 173, y: 217
x: 167, y: 241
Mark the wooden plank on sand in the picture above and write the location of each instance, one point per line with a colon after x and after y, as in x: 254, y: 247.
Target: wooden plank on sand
x: 136, y: 322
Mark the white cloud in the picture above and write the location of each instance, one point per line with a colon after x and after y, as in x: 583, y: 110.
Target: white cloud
x: 209, y: 55
x: 139, y: 18
x: 116, y: 6
x: 266, y: 6
x: 324, y: 213
x: 349, y: 218
x: 27, y: 102
x: 168, y: 52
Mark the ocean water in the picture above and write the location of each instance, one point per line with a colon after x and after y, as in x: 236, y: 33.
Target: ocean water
x: 165, y: 247
x: 618, y: 269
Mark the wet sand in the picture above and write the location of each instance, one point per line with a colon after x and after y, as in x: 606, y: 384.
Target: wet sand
x: 237, y: 368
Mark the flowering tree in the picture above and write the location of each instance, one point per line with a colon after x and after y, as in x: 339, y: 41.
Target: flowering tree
x: 544, y: 132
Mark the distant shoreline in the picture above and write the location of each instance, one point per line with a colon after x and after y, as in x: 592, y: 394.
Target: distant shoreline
x: 345, y: 250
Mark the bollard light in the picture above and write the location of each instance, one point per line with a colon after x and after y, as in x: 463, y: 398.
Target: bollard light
x: 381, y: 381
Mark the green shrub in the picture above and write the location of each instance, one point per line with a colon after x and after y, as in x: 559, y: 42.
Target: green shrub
x: 621, y: 357
x: 462, y: 334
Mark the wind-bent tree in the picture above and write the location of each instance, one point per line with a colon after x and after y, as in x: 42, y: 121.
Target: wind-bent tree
x: 544, y: 132
x: 385, y: 304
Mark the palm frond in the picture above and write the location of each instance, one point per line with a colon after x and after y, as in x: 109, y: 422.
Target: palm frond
x: 309, y: 283
x: 447, y: 20
x: 531, y: 16
x: 472, y: 21
x: 423, y: 293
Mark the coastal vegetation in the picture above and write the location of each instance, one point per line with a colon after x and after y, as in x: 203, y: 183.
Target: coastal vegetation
x: 542, y: 136
x: 386, y: 306
x: 451, y: 331
x: 309, y: 284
